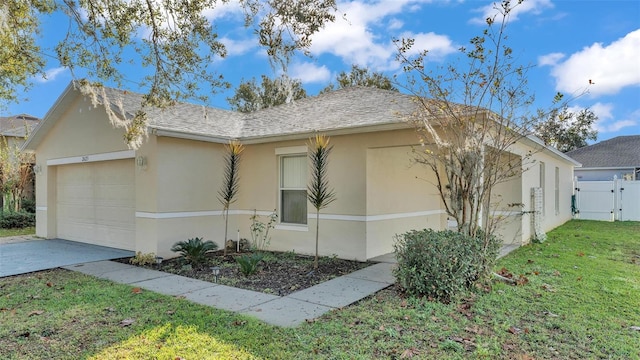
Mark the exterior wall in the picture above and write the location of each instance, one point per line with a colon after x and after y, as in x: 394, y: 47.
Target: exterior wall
x: 401, y: 196
x: 603, y: 174
x: 531, y: 179
x: 82, y: 133
x: 358, y: 225
x: 504, y: 209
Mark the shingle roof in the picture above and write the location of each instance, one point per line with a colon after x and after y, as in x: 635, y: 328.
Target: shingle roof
x: 621, y: 151
x: 341, y: 109
x: 17, y: 125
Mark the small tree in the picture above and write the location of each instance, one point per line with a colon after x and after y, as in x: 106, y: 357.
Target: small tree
x: 469, y: 117
x: 361, y: 76
x: 229, y: 189
x: 318, y: 192
x: 16, y: 173
x: 250, y: 96
x: 566, y: 130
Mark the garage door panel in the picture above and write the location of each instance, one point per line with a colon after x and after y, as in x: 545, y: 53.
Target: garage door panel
x: 96, y: 203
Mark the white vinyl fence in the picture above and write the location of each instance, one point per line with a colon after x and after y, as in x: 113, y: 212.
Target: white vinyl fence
x: 615, y: 200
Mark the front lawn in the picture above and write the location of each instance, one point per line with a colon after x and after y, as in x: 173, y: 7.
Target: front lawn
x: 581, y: 301
x: 31, y: 230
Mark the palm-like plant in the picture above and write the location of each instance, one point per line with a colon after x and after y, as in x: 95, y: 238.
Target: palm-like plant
x: 229, y: 189
x: 194, y: 250
x: 318, y: 192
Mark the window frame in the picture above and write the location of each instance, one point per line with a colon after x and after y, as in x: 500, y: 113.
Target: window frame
x: 281, y: 154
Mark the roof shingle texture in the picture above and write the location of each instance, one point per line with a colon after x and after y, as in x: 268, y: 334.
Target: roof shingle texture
x: 621, y: 151
x: 341, y: 109
x: 17, y: 125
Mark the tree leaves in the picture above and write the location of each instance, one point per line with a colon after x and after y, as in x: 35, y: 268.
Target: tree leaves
x: 250, y: 96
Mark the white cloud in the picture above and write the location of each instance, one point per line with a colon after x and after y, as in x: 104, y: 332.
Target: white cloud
x: 310, y: 73
x: 603, y: 111
x: 50, y: 75
x: 395, y: 24
x: 438, y: 45
x: 353, y: 37
x: 606, y: 122
x: 609, y: 68
x: 492, y: 10
x: 550, y: 59
x: 224, y: 9
x: 238, y: 47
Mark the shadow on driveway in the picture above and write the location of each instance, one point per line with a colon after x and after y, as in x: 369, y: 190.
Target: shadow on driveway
x: 29, y: 256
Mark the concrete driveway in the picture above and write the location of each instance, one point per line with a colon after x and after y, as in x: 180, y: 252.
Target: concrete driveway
x: 35, y: 255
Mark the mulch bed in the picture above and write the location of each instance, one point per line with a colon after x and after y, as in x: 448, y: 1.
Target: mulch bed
x: 278, y: 273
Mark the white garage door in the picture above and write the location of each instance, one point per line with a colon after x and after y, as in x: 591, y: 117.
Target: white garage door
x: 96, y: 203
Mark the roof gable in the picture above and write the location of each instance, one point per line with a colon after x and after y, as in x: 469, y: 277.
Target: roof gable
x: 621, y: 151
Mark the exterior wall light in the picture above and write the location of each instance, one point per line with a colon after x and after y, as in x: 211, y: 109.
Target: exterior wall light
x: 141, y: 162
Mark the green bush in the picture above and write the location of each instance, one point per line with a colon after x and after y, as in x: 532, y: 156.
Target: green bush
x: 29, y: 205
x: 249, y: 263
x: 443, y: 264
x: 194, y: 250
x: 17, y: 220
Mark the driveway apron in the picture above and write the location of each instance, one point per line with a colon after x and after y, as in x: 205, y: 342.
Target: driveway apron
x: 35, y: 255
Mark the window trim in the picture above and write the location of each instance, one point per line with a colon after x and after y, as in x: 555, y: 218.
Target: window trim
x: 281, y: 153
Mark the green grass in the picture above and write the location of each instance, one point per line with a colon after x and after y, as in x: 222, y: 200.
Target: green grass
x: 582, y: 298
x: 15, y: 232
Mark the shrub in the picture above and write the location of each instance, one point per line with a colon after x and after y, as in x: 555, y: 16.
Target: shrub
x: 28, y: 205
x: 143, y: 259
x: 260, y: 238
x: 443, y: 264
x: 249, y: 263
x: 17, y: 220
x: 194, y: 250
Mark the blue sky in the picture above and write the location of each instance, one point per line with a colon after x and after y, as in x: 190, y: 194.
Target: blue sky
x: 568, y: 42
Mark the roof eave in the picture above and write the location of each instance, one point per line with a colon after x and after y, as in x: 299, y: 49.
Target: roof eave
x: 537, y: 141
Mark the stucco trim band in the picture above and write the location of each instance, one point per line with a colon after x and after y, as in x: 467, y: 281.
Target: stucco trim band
x: 361, y: 218
x: 116, y: 155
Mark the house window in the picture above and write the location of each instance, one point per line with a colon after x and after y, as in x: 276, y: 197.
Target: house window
x: 542, y: 181
x: 557, y: 190
x: 293, y: 189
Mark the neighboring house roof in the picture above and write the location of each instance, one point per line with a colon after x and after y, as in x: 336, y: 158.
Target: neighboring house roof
x: 621, y: 151
x: 17, y: 125
x: 355, y: 109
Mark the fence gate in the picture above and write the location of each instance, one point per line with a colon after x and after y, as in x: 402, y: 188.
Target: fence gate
x: 608, y: 200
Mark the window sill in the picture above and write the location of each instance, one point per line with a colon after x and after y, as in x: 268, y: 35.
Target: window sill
x: 291, y: 227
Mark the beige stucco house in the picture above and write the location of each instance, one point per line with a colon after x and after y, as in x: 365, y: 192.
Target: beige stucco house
x: 92, y: 188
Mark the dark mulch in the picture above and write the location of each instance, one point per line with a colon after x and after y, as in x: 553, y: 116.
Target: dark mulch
x: 278, y: 273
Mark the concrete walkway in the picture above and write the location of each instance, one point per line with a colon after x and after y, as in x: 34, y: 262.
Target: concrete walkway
x: 20, y: 256
x: 287, y: 311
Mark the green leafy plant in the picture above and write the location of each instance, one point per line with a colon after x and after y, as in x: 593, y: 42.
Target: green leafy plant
x: 230, y: 186
x: 194, y: 250
x: 318, y: 192
x: 443, y: 264
x: 17, y: 220
x: 260, y: 238
x: 143, y: 259
x: 249, y: 263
